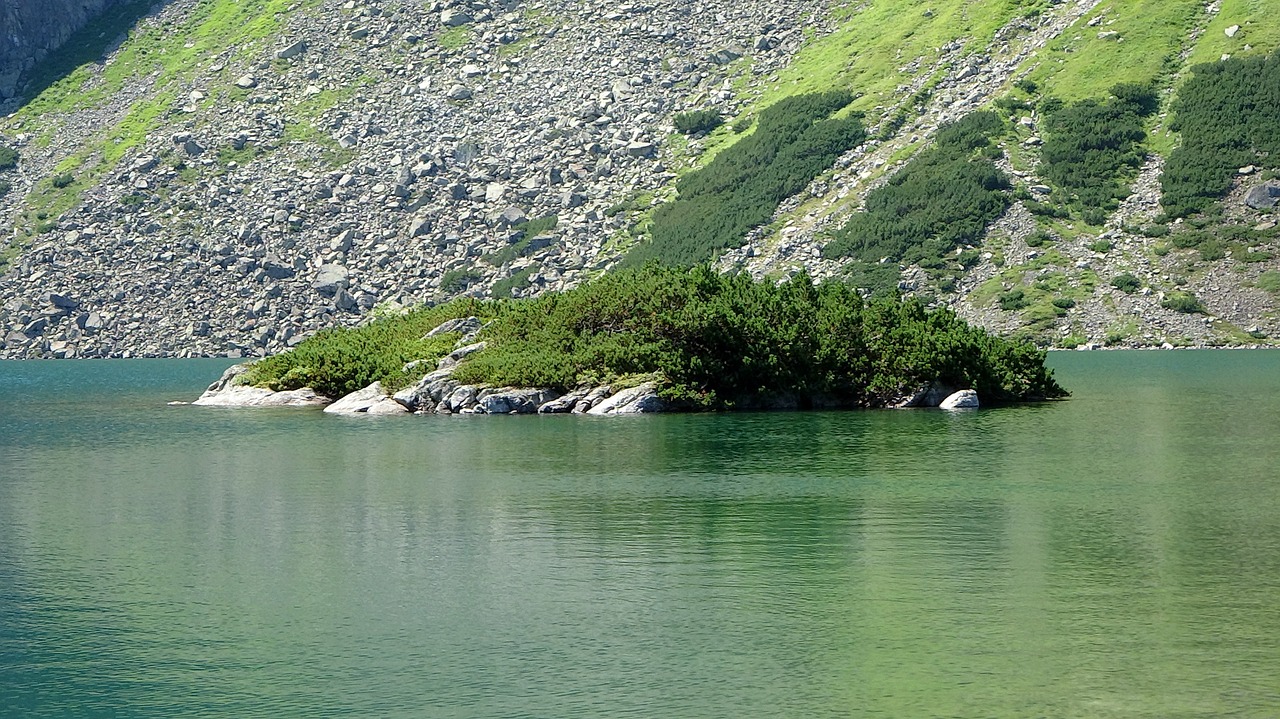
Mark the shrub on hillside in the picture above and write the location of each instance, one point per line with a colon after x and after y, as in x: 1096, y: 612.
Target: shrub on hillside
x: 794, y: 141
x: 1229, y: 117
x: 1184, y: 302
x: 943, y: 198
x: 1091, y: 148
x: 8, y: 158
x: 1126, y: 283
x: 696, y: 121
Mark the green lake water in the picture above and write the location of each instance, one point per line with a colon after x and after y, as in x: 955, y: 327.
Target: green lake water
x: 1113, y: 555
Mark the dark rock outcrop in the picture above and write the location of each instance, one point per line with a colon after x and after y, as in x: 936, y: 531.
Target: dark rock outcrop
x: 30, y: 29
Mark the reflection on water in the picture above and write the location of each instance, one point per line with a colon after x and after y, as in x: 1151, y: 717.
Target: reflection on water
x: 1113, y: 555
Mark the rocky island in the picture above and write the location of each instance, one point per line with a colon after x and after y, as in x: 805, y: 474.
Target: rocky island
x: 648, y: 340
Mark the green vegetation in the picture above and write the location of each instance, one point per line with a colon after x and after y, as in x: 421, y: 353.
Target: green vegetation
x: 457, y: 280
x: 336, y: 362
x: 520, y: 279
x: 718, y: 341
x: 1185, y: 302
x: 1126, y: 283
x: 711, y: 341
x: 63, y: 180
x: 794, y: 141
x: 1091, y: 148
x: 455, y: 37
x: 1014, y: 299
x: 692, y: 123
x: 943, y: 198
x: 8, y: 158
x: 1229, y: 117
x: 1269, y: 281
x: 523, y: 244
x: 1147, y: 45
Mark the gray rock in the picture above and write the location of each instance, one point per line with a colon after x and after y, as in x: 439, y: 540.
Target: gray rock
x: 641, y: 399
x: 462, y: 397
x: 419, y: 226
x: 452, y: 359
x: 964, y: 399
x: 640, y: 149
x: 459, y: 92
x: 427, y: 393
x: 1264, y: 196
x: 359, y: 401
x: 62, y: 302
x: 291, y: 50
x: 330, y: 278
x: 930, y: 395
x: 511, y: 400
x: 246, y: 82
x: 227, y: 392
x: 463, y: 325
x: 454, y: 17
x: 276, y: 269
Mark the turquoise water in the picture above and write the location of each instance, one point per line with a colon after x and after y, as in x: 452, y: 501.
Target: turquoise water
x: 1114, y: 555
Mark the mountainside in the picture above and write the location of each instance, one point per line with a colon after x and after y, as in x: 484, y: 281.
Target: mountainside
x: 30, y: 29
x: 233, y: 176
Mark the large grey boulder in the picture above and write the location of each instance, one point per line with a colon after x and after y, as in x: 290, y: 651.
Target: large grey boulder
x: 964, y: 399
x: 462, y: 325
x: 641, y: 399
x: 508, y: 400
x: 1264, y: 196
x: 291, y: 50
x: 454, y: 17
x: 427, y: 393
x: 330, y: 278
x: 371, y: 400
x: 452, y: 359
x: 929, y: 395
x: 228, y: 392
x: 359, y: 401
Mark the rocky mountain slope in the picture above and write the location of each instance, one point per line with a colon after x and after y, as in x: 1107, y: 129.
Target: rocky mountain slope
x: 235, y: 176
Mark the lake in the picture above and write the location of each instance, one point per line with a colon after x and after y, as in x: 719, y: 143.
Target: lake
x: 1113, y: 555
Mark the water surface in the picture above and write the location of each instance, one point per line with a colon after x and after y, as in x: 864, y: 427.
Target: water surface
x: 1117, y: 554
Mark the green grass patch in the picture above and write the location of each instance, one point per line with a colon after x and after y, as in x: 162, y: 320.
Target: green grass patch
x: 1152, y: 33
x: 1269, y: 281
x: 1259, y: 32
x: 454, y: 38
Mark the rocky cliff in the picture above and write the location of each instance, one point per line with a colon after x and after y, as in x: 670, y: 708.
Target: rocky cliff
x: 30, y: 29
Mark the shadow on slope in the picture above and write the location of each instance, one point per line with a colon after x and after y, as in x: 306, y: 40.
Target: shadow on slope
x: 89, y: 44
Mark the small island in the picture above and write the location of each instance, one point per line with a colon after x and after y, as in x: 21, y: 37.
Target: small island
x: 650, y: 339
